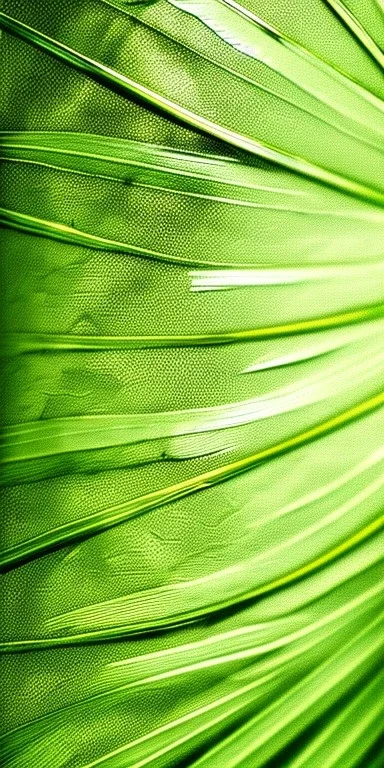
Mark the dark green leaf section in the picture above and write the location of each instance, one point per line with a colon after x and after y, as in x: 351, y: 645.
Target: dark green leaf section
x: 192, y: 372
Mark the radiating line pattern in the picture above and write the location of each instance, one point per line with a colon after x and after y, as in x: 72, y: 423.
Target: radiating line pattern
x: 191, y: 353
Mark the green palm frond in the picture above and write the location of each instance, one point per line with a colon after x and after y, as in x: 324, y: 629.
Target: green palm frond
x: 192, y: 363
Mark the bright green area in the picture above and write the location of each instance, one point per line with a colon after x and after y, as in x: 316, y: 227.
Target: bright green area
x: 192, y: 366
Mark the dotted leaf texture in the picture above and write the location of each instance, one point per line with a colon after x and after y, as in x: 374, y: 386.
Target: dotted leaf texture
x: 191, y: 445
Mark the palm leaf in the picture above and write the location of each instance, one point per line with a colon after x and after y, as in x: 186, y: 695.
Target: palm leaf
x: 191, y: 446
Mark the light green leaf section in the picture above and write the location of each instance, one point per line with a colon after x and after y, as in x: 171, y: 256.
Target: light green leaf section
x: 191, y: 450
x: 134, y: 176
x: 338, y: 172
x: 252, y: 37
x: 358, y: 29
